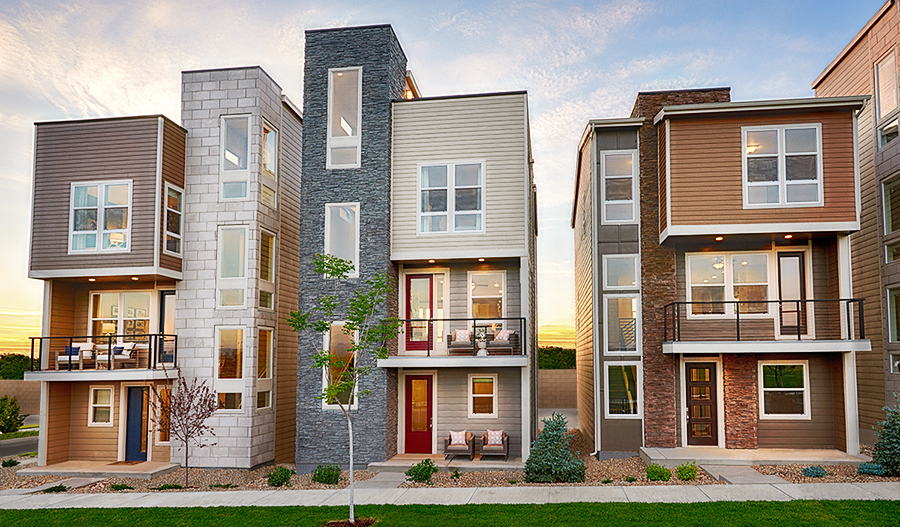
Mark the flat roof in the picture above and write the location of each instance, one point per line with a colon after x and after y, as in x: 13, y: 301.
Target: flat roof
x: 857, y: 101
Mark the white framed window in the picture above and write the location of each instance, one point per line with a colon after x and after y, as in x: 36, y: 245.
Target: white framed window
x: 235, y: 162
x: 487, y: 294
x: 621, y: 271
x: 231, y: 290
x: 174, y: 221
x: 266, y: 270
x: 720, y: 278
x: 342, y: 233
x: 344, y: 117
x: 101, y: 406
x: 264, y: 365
x: 895, y: 362
x: 451, y: 197
x: 886, y: 98
x: 623, y: 385
x: 893, y: 315
x: 782, y: 165
x: 269, y: 170
x: 483, y: 397
x: 891, y: 193
x: 784, y: 389
x: 229, y: 381
x: 619, y: 190
x: 100, y: 217
x: 892, y: 252
x: 339, y: 343
x: 126, y: 313
x: 622, y: 324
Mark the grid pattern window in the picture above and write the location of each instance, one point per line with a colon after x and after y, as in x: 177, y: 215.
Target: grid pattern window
x: 886, y: 98
x: 451, y: 197
x: 784, y: 390
x: 623, y: 387
x: 174, y: 221
x: 486, y: 294
x: 618, y: 188
x: 717, y: 279
x: 339, y: 343
x: 269, y: 165
x: 344, y: 117
x: 266, y: 270
x: 621, y: 272
x: 892, y: 206
x: 232, y: 264
x: 101, y: 411
x: 235, y: 162
x: 782, y: 166
x: 264, y: 369
x: 342, y: 233
x: 483, y: 396
x: 100, y: 216
x: 229, y: 368
x: 622, y: 324
x: 120, y: 313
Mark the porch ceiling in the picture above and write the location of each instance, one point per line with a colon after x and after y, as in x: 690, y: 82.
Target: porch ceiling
x: 766, y: 346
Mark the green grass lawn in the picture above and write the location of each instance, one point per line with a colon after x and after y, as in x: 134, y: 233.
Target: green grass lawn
x: 16, y: 435
x: 797, y: 513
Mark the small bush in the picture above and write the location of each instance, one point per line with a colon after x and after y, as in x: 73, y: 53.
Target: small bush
x: 120, y: 486
x: 57, y: 488
x: 687, y: 471
x: 280, y: 477
x: 512, y: 481
x: 870, y: 469
x: 657, y: 472
x: 168, y: 486
x: 455, y: 474
x: 10, y: 420
x: 551, y: 461
x: 9, y: 463
x: 327, y: 474
x: 631, y: 479
x: 556, y: 358
x: 814, y: 471
x: 223, y: 486
x: 421, y: 472
x: 886, y: 451
x: 14, y: 365
x: 607, y: 480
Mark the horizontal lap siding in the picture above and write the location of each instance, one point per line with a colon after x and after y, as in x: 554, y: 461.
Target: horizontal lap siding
x: 92, y: 443
x: 490, y: 128
x: 173, y: 173
x: 58, y: 416
x: 584, y: 296
x: 705, y: 155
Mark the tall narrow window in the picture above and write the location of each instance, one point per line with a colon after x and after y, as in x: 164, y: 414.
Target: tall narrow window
x: 892, y: 206
x: 486, y: 294
x: 344, y: 116
x: 619, y: 191
x: 174, y: 202
x: 264, y: 370
x: 342, y: 233
x: 232, y: 282
x: 269, y: 165
x: 433, y: 211
x: 451, y: 197
x: 343, y: 360
x: 235, y: 156
x: 100, y: 209
x: 623, y: 387
x: 782, y: 166
x: 622, y: 326
x: 886, y: 86
x: 467, y: 197
x: 165, y: 399
x: 893, y: 315
x: 266, y: 270
x: 229, y: 372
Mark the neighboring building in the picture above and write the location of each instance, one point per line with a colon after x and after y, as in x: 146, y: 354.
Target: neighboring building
x: 714, y: 302
x: 868, y: 66
x: 438, y: 193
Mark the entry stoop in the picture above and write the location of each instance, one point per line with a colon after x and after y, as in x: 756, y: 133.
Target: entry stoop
x: 705, y: 455
x: 403, y: 462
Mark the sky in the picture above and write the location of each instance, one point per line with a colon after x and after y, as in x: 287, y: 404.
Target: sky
x: 578, y: 60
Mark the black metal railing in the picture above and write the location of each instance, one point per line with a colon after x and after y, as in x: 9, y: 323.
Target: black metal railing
x: 711, y: 320
x: 151, y: 351
x: 423, y: 334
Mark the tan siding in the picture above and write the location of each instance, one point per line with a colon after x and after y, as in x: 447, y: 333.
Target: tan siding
x: 663, y: 196
x: 584, y: 295
x: 478, y: 128
x: 173, y: 159
x: 103, y: 440
x: 58, y: 404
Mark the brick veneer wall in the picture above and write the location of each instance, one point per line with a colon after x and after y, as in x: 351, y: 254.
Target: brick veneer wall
x: 741, y: 400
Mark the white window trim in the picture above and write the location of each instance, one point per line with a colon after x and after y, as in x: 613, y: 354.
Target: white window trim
x: 638, y: 326
x: 440, y: 347
x: 782, y: 178
x: 231, y: 385
x: 152, y: 316
x: 234, y: 176
x: 885, y: 186
x: 891, y: 315
x: 91, y: 406
x: 639, y: 379
x: 356, y: 204
x: 266, y: 384
x: 807, y: 411
x: 232, y: 283
x: 101, y: 191
x: 895, y: 363
x: 326, y: 342
x: 496, y: 396
x: 637, y: 272
x: 469, y: 296
x: 262, y: 161
x: 343, y: 142
x: 166, y: 231
x: 268, y: 286
x: 879, y: 118
x: 635, y: 171
x: 771, y: 273
x: 451, y: 198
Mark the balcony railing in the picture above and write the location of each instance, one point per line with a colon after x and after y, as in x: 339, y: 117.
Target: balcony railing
x: 760, y: 320
x: 441, y: 336
x: 149, y: 351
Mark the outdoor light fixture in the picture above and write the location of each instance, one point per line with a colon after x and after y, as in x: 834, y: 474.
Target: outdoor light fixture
x: 788, y: 236
x: 430, y: 261
x: 481, y: 259
x: 92, y: 279
x: 134, y: 278
x: 719, y: 238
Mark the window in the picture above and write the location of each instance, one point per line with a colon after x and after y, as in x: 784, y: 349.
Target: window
x: 892, y: 206
x: 451, y: 197
x: 235, y: 156
x: 895, y: 363
x: 266, y: 270
x: 229, y: 370
x: 886, y: 98
x: 232, y: 277
x: 100, y: 209
x: 121, y: 313
x: 344, y: 117
x: 174, y: 203
x: 482, y: 395
x: 622, y: 330
x: 893, y: 253
x: 343, y: 359
x: 342, y: 233
x: 716, y: 279
x: 784, y: 390
x: 101, y: 411
x: 894, y: 315
x: 264, y: 369
x: 486, y: 297
x: 621, y: 271
x: 269, y: 164
x: 165, y: 398
x: 619, y: 191
x: 782, y: 166
x: 623, y: 384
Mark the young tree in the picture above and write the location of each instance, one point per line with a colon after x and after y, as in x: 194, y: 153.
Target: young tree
x: 183, y: 412
x: 367, y: 331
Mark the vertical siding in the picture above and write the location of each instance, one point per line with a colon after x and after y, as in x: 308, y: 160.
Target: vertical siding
x: 58, y: 416
x: 173, y: 173
x: 584, y: 294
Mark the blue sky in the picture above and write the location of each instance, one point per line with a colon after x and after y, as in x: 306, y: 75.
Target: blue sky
x: 578, y: 61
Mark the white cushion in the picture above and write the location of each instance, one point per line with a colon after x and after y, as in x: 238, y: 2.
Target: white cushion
x: 458, y: 438
x: 504, y: 334
x: 462, y: 335
x: 495, y: 437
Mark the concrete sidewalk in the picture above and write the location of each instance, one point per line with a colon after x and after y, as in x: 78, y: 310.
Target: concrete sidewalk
x: 462, y: 496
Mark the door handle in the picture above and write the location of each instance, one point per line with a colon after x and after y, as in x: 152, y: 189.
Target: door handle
x: 430, y: 422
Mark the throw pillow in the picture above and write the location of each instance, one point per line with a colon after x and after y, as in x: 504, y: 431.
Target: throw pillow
x: 462, y: 335
x: 72, y: 352
x: 495, y: 437
x: 118, y: 350
x: 458, y: 438
x: 504, y: 334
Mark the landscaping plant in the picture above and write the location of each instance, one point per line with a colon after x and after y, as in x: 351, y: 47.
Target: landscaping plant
x: 421, y: 472
x: 870, y: 469
x: 55, y: 488
x: 120, y: 486
x: 168, y: 486
x: 607, y: 480
x: 887, y: 440
x: 631, y: 479
x: 815, y: 471
x: 14, y: 365
x: 10, y: 420
x: 327, y: 474
x: 551, y: 461
x: 656, y: 472
x: 687, y: 471
x: 455, y: 474
x: 223, y: 486
x: 280, y: 477
x: 9, y: 463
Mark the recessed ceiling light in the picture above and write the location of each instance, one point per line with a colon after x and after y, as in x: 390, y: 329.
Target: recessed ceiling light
x: 430, y: 261
x: 134, y: 278
x: 788, y: 236
x: 92, y: 279
x: 481, y: 259
x: 719, y: 238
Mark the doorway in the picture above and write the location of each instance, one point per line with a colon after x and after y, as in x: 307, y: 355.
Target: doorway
x: 702, y: 403
x: 792, y: 316
x: 136, y: 423
x: 424, y: 302
x: 419, y: 414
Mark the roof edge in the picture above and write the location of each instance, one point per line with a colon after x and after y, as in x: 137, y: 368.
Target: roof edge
x: 856, y: 101
x: 850, y: 45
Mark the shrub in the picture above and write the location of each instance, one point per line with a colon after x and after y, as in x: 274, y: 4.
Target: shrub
x: 14, y: 365
x: 887, y: 441
x: 631, y: 479
x: 687, y: 471
x: 607, y: 480
x: 9, y: 463
x: 556, y: 358
x: 421, y: 472
x: 120, y: 486
x: 551, y: 461
x: 657, y: 472
x: 327, y: 474
x: 815, y: 471
x: 455, y: 474
x: 280, y: 477
x: 168, y: 486
x: 512, y: 481
x: 28, y: 454
x: 10, y: 420
x: 56, y: 488
x: 870, y: 469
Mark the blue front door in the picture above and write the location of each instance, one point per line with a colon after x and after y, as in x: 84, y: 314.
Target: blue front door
x: 136, y: 423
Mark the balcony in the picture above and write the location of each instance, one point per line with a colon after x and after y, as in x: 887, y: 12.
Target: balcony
x: 130, y: 356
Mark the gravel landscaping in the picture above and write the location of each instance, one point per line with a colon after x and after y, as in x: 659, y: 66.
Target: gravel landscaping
x: 9, y: 480
x: 833, y: 474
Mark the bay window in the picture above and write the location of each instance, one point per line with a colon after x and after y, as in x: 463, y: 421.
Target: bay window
x: 266, y: 270
x: 269, y: 172
x: 229, y: 382
x: 100, y: 216
x: 782, y: 165
x: 264, y: 369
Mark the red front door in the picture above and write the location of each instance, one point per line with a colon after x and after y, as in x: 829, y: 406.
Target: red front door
x: 419, y: 299
x: 418, y: 414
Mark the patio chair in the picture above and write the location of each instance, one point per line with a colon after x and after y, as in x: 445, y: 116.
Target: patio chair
x: 79, y: 352
x: 458, y: 343
x: 468, y: 448
x: 504, y: 346
x: 495, y: 447
x: 122, y: 353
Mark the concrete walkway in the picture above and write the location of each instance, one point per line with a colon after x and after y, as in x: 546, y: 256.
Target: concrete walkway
x: 462, y: 496
x: 710, y: 455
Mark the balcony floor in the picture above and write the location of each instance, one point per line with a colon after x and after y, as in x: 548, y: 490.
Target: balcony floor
x: 710, y: 455
x: 102, y: 469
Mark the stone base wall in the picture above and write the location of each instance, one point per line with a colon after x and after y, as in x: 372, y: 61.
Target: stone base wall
x: 741, y: 400
x: 27, y: 394
x: 557, y: 389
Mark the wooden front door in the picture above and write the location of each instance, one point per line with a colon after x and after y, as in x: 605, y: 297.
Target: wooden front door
x: 419, y: 302
x: 702, y: 418
x: 419, y: 408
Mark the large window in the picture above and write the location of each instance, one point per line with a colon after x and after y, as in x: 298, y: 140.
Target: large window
x: 235, y: 173
x: 716, y: 279
x: 174, y: 204
x: 784, y: 390
x: 619, y: 192
x: 338, y: 342
x: 101, y: 411
x: 451, y: 197
x: 886, y: 98
x: 266, y: 270
x: 264, y: 369
x: 229, y: 370
x: 232, y: 264
x: 782, y: 166
x: 623, y: 385
x: 621, y: 271
x: 100, y: 216
x: 622, y: 328
x: 344, y: 117
x: 269, y: 164
x: 482, y: 395
x: 121, y: 313
x: 486, y: 296
x: 342, y: 233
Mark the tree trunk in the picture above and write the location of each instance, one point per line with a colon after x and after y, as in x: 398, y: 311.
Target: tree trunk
x: 350, y: 429
x: 186, y: 451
